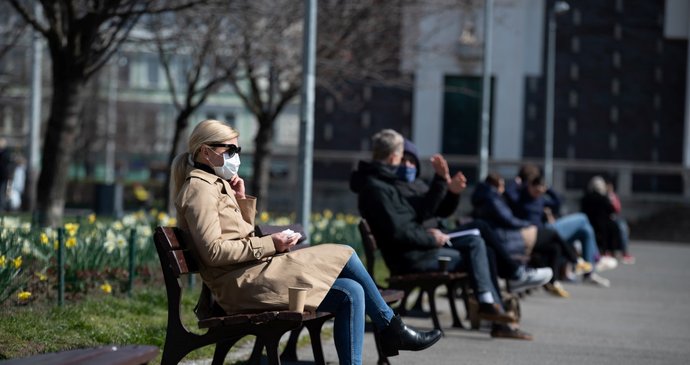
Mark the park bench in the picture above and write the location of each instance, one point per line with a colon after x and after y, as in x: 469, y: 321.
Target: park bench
x: 314, y: 327
x: 102, y: 355
x: 427, y: 282
x: 223, y: 330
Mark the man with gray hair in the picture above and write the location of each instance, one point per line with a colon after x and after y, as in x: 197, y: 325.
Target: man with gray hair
x: 408, y: 247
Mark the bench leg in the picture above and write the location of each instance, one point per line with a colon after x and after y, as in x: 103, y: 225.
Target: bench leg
x: 290, y: 351
x: 314, y: 328
x: 272, y: 343
x: 255, y: 357
x: 450, y: 287
x: 222, y: 349
x: 432, y: 304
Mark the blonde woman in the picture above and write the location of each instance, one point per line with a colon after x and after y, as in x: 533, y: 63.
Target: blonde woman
x: 249, y: 273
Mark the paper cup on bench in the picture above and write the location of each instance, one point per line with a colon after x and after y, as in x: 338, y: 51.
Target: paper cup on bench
x: 443, y: 263
x: 297, y: 296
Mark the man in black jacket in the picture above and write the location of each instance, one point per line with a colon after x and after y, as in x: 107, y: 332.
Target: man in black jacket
x: 406, y: 246
x: 439, y: 201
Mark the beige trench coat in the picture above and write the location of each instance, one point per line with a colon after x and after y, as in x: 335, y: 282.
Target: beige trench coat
x: 243, y: 271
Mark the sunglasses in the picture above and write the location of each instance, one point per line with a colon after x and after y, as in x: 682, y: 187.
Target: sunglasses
x: 231, y: 148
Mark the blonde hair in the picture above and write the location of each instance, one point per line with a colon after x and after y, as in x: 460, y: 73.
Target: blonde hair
x: 208, y: 131
x: 385, y: 143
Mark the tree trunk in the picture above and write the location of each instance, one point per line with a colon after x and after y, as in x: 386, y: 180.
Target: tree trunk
x: 181, y: 123
x: 58, y: 146
x: 263, y: 149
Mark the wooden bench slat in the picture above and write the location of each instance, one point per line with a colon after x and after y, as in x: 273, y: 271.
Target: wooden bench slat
x: 427, y: 282
x: 105, y: 355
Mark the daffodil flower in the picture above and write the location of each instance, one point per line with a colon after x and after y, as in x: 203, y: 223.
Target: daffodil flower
x: 71, y: 242
x: 23, y: 296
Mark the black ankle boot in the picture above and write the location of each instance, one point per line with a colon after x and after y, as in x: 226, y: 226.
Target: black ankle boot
x: 397, y: 336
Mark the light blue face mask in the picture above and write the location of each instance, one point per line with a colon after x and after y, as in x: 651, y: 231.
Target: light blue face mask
x: 406, y: 173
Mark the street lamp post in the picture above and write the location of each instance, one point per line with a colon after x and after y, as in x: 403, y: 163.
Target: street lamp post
x: 486, y: 93
x: 559, y: 7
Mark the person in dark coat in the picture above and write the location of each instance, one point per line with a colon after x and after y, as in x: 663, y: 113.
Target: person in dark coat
x: 547, y: 246
x: 405, y: 244
x: 434, y: 205
x: 530, y: 199
x: 600, y: 211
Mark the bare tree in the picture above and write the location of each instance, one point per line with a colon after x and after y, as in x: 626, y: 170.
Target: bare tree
x: 12, y: 28
x: 356, y: 41
x: 81, y: 36
x: 195, y: 63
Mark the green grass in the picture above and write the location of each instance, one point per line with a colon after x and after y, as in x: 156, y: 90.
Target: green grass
x: 30, y: 330
x: 100, y: 319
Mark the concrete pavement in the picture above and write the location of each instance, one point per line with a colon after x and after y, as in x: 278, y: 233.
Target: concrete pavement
x: 644, y: 318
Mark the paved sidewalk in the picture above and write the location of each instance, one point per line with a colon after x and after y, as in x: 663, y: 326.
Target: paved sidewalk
x: 644, y: 318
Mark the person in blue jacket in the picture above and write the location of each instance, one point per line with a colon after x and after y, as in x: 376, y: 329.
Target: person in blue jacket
x: 547, y: 245
x: 531, y: 200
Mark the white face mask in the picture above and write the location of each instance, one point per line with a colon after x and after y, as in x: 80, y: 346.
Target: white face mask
x: 230, y: 166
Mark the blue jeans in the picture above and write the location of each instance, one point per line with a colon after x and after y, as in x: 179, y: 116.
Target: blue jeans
x: 576, y: 227
x: 353, y: 295
x: 625, y: 233
x: 476, y: 261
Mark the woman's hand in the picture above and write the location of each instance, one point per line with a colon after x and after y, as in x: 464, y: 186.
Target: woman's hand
x: 237, y: 185
x: 458, y: 183
x: 440, y: 166
x: 283, y: 242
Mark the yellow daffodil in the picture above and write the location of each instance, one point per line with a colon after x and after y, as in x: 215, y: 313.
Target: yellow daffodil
x: 17, y: 262
x: 92, y: 218
x: 264, y: 217
x: 71, y: 242
x: 23, y: 295
x: 56, y: 245
x: 328, y: 214
x: 71, y: 228
x: 162, y: 216
x: 3, y: 261
x: 44, y: 238
x: 141, y: 193
x: 106, y: 288
x: 41, y: 276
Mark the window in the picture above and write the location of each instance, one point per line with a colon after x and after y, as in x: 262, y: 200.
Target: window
x: 613, y: 114
x: 328, y: 132
x: 613, y: 141
x: 615, y: 86
x: 575, y: 44
x: 366, y: 119
x: 618, y: 32
x: 152, y: 64
x: 574, y: 72
x: 573, y: 99
x: 616, y: 60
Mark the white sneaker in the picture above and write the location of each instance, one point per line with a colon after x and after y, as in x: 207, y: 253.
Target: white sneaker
x: 606, y: 263
x: 596, y: 279
x: 531, y: 278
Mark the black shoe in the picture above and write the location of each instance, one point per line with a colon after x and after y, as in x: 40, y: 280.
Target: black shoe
x: 397, y: 336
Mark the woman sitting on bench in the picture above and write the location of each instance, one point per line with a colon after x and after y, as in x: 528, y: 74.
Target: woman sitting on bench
x: 247, y: 273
